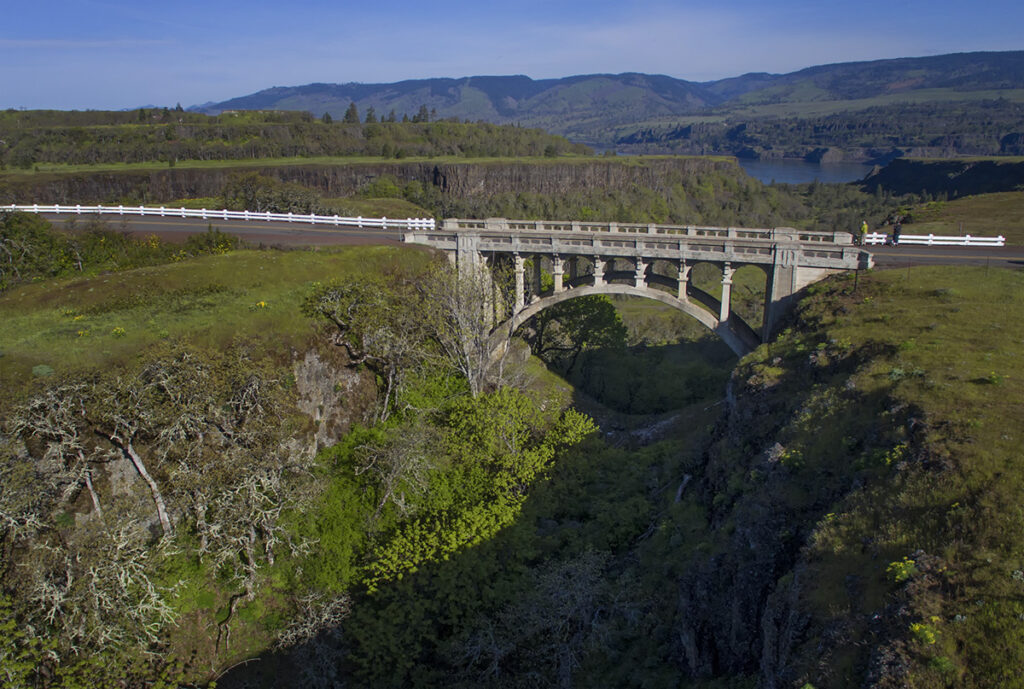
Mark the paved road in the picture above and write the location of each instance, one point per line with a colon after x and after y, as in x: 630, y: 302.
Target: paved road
x: 913, y: 255
x: 254, y: 232
x: 294, y: 234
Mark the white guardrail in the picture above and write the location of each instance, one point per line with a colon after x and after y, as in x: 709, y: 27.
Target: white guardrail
x: 936, y: 240
x: 311, y: 219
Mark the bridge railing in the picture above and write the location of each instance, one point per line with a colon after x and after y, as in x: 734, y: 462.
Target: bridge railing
x: 583, y: 227
x: 875, y: 238
x: 205, y: 214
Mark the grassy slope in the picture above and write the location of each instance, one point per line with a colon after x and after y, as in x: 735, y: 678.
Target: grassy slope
x: 945, y: 349
x: 69, y: 325
x: 982, y: 215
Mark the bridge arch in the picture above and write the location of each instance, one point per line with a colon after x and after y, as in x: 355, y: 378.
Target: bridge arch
x: 739, y: 337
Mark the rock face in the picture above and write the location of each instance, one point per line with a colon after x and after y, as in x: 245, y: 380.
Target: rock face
x: 952, y: 177
x: 459, y: 180
x: 332, y: 395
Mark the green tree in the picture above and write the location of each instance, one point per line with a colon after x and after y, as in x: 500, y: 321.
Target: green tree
x: 351, y: 115
x: 327, y: 119
x: 560, y: 333
x: 371, y: 115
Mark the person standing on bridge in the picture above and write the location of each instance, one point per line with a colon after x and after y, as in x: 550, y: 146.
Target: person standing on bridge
x: 897, y: 230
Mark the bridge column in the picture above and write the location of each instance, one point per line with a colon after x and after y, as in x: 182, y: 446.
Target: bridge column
x: 519, y: 269
x: 557, y: 270
x: 640, y: 275
x: 598, y: 271
x: 467, y: 252
x: 537, y: 286
x: 684, y: 279
x: 727, y: 271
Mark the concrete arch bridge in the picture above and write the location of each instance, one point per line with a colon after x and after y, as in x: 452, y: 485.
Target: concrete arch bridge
x: 646, y: 260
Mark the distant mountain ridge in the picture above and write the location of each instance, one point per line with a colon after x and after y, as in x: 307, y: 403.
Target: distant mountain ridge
x: 595, y: 108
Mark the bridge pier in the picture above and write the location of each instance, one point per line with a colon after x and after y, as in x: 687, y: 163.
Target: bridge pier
x: 640, y: 274
x: 519, y: 269
x: 727, y: 273
x: 684, y: 279
x: 557, y: 270
x: 598, y: 272
x: 537, y: 278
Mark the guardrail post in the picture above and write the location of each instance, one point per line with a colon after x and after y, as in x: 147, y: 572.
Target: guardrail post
x: 359, y: 221
x: 290, y: 216
x: 336, y: 219
x: 383, y: 223
x: 79, y: 209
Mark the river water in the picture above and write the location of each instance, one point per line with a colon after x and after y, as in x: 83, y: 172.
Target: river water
x: 802, y: 172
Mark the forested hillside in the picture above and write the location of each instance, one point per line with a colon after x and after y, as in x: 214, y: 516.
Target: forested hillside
x: 32, y: 138
x: 940, y: 105
x: 877, y: 134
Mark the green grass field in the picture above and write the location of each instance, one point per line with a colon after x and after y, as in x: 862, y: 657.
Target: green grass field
x: 73, y: 325
x: 987, y: 215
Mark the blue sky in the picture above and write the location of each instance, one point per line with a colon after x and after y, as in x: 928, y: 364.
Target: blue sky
x: 111, y: 54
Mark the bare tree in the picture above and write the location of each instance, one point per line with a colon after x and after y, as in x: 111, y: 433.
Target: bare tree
x: 55, y: 419
x: 379, y: 323
x: 462, y: 320
x: 400, y: 463
x: 98, y: 591
x: 123, y: 413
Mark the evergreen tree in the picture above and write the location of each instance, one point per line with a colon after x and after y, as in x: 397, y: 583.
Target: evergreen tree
x: 371, y: 115
x: 327, y: 119
x: 392, y: 117
x: 351, y: 115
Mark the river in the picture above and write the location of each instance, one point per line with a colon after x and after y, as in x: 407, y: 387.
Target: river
x: 802, y: 172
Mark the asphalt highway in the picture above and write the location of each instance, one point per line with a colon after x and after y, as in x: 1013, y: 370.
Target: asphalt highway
x: 253, y: 232
x: 916, y: 255
x: 296, y: 234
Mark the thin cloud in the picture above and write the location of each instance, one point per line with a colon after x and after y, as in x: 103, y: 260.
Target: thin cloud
x: 70, y: 44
